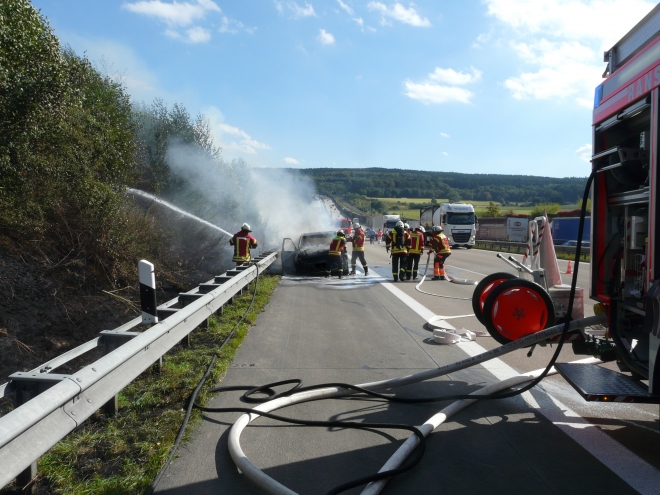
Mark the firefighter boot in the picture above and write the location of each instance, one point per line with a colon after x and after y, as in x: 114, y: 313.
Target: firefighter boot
x: 366, y: 271
x: 396, y: 278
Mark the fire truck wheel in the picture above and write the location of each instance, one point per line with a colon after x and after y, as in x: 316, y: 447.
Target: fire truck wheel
x: 482, y: 290
x: 516, y: 308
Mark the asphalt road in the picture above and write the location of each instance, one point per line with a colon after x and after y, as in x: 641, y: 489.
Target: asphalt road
x: 361, y: 329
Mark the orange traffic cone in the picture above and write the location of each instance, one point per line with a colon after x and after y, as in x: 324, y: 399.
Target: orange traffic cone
x: 569, y: 268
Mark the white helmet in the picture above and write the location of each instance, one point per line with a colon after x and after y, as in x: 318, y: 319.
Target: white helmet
x: 245, y: 226
x: 406, y: 226
x: 399, y: 224
x: 421, y: 229
x: 356, y: 225
x: 437, y: 228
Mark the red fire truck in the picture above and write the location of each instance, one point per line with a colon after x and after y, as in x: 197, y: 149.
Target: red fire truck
x: 625, y: 250
x: 345, y: 224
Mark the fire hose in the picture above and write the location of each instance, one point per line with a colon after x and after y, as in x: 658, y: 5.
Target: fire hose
x: 414, y: 445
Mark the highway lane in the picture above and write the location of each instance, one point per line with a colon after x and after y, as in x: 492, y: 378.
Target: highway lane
x: 361, y: 329
x: 626, y: 423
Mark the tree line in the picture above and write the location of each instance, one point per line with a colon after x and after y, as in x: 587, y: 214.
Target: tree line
x: 398, y: 183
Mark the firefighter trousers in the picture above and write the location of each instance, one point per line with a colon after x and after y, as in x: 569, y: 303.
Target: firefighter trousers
x: 399, y: 265
x: 333, y: 263
x: 413, y: 266
x: 355, y: 255
x: 439, y: 266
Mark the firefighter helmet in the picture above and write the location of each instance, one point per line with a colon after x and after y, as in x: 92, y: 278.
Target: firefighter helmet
x: 245, y: 226
x: 421, y: 229
x: 406, y: 226
x: 341, y: 233
x: 356, y: 225
x: 399, y: 224
x: 437, y: 228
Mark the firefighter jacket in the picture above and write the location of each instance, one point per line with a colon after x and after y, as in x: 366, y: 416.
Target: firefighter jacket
x: 415, y: 243
x: 358, y: 240
x: 242, y: 242
x: 337, y: 245
x: 440, y: 244
x: 391, y: 239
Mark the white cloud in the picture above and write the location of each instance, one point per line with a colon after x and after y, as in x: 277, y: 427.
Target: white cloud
x: 325, y: 38
x: 445, y: 153
x: 198, y: 35
x: 278, y: 6
x: 347, y: 8
x: 444, y: 135
x: 232, y: 140
x: 399, y: 13
x: 435, y: 93
x: 584, y: 152
x: 560, y: 42
x: 173, y: 14
x: 298, y: 11
x: 450, y: 76
x: 291, y: 161
x: 430, y: 91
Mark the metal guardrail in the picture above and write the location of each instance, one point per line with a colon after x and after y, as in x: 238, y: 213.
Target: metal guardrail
x: 519, y: 247
x: 30, y: 430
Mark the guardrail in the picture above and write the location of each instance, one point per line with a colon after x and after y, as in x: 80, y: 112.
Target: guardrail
x: 519, y: 248
x: 57, y: 404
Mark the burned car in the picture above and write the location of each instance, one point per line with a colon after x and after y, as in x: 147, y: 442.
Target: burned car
x: 309, y: 256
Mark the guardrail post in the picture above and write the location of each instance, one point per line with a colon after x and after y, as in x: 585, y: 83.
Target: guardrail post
x: 28, y: 386
x: 147, y: 292
x: 112, y: 339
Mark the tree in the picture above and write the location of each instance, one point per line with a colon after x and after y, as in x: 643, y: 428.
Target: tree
x: 551, y: 208
x: 453, y: 196
x: 492, y: 210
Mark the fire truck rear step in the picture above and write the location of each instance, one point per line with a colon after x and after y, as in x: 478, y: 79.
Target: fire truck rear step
x: 595, y: 383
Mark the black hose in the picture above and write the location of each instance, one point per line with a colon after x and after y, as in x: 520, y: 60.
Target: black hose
x: 419, y: 450
x: 193, y: 397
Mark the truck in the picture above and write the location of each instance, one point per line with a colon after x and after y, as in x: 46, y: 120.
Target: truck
x: 345, y: 224
x: 516, y: 228
x: 513, y: 228
x: 458, y: 221
x: 565, y: 229
x: 389, y: 221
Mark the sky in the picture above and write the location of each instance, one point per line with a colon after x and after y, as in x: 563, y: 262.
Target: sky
x: 472, y: 86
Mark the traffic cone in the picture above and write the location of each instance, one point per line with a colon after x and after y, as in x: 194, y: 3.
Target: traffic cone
x: 569, y: 268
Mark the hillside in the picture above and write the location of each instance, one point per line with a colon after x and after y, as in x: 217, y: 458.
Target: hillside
x: 412, y: 184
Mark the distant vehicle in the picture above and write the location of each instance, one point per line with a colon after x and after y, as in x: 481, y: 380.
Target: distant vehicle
x: 389, y: 221
x: 309, y: 256
x: 345, y: 224
x: 574, y: 244
x: 458, y: 221
x: 566, y: 229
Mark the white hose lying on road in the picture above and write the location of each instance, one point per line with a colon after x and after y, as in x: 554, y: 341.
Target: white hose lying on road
x: 433, y: 422
x: 271, y: 486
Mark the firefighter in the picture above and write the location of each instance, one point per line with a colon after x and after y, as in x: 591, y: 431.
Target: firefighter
x: 439, y: 246
x: 415, y: 249
x: 406, y: 227
x: 397, y: 240
x: 242, y: 242
x: 358, y: 249
x: 337, y: 248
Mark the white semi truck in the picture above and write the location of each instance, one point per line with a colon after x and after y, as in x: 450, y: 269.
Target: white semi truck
x: 458, y: 221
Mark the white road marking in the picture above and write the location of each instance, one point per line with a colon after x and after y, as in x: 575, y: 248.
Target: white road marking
x: 465, y: 270
x: 627, y: 465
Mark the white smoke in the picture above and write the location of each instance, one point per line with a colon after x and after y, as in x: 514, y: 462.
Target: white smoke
x: 277, y: 203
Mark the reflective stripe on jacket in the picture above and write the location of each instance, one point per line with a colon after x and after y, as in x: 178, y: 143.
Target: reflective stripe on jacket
x: 358, y: 240
x: 416, y: 243
x: 242, y: 242
x: 440, y: 244
x: 337, y: 245
x: 391, y: 241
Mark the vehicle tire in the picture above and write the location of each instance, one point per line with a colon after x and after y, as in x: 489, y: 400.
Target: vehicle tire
x: 482, y: 291
x: 469, y: 246
x: 517, y: 308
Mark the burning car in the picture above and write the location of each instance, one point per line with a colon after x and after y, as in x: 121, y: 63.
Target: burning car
x: 309, y: 256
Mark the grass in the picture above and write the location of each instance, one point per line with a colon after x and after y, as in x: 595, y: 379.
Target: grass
x: 123, y: 454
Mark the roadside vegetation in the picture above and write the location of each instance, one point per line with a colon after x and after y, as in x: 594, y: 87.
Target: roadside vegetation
x: 123, y: 454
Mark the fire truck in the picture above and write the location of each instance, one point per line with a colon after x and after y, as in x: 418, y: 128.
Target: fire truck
x: 345, y: 224
x: 625, y: 251
x: 625, y: 240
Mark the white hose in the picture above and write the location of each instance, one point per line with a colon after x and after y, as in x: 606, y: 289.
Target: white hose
x: 271, y: 486
x: 433, y: 422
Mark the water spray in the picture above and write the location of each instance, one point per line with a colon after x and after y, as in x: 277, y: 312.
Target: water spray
x: 137, y: 192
